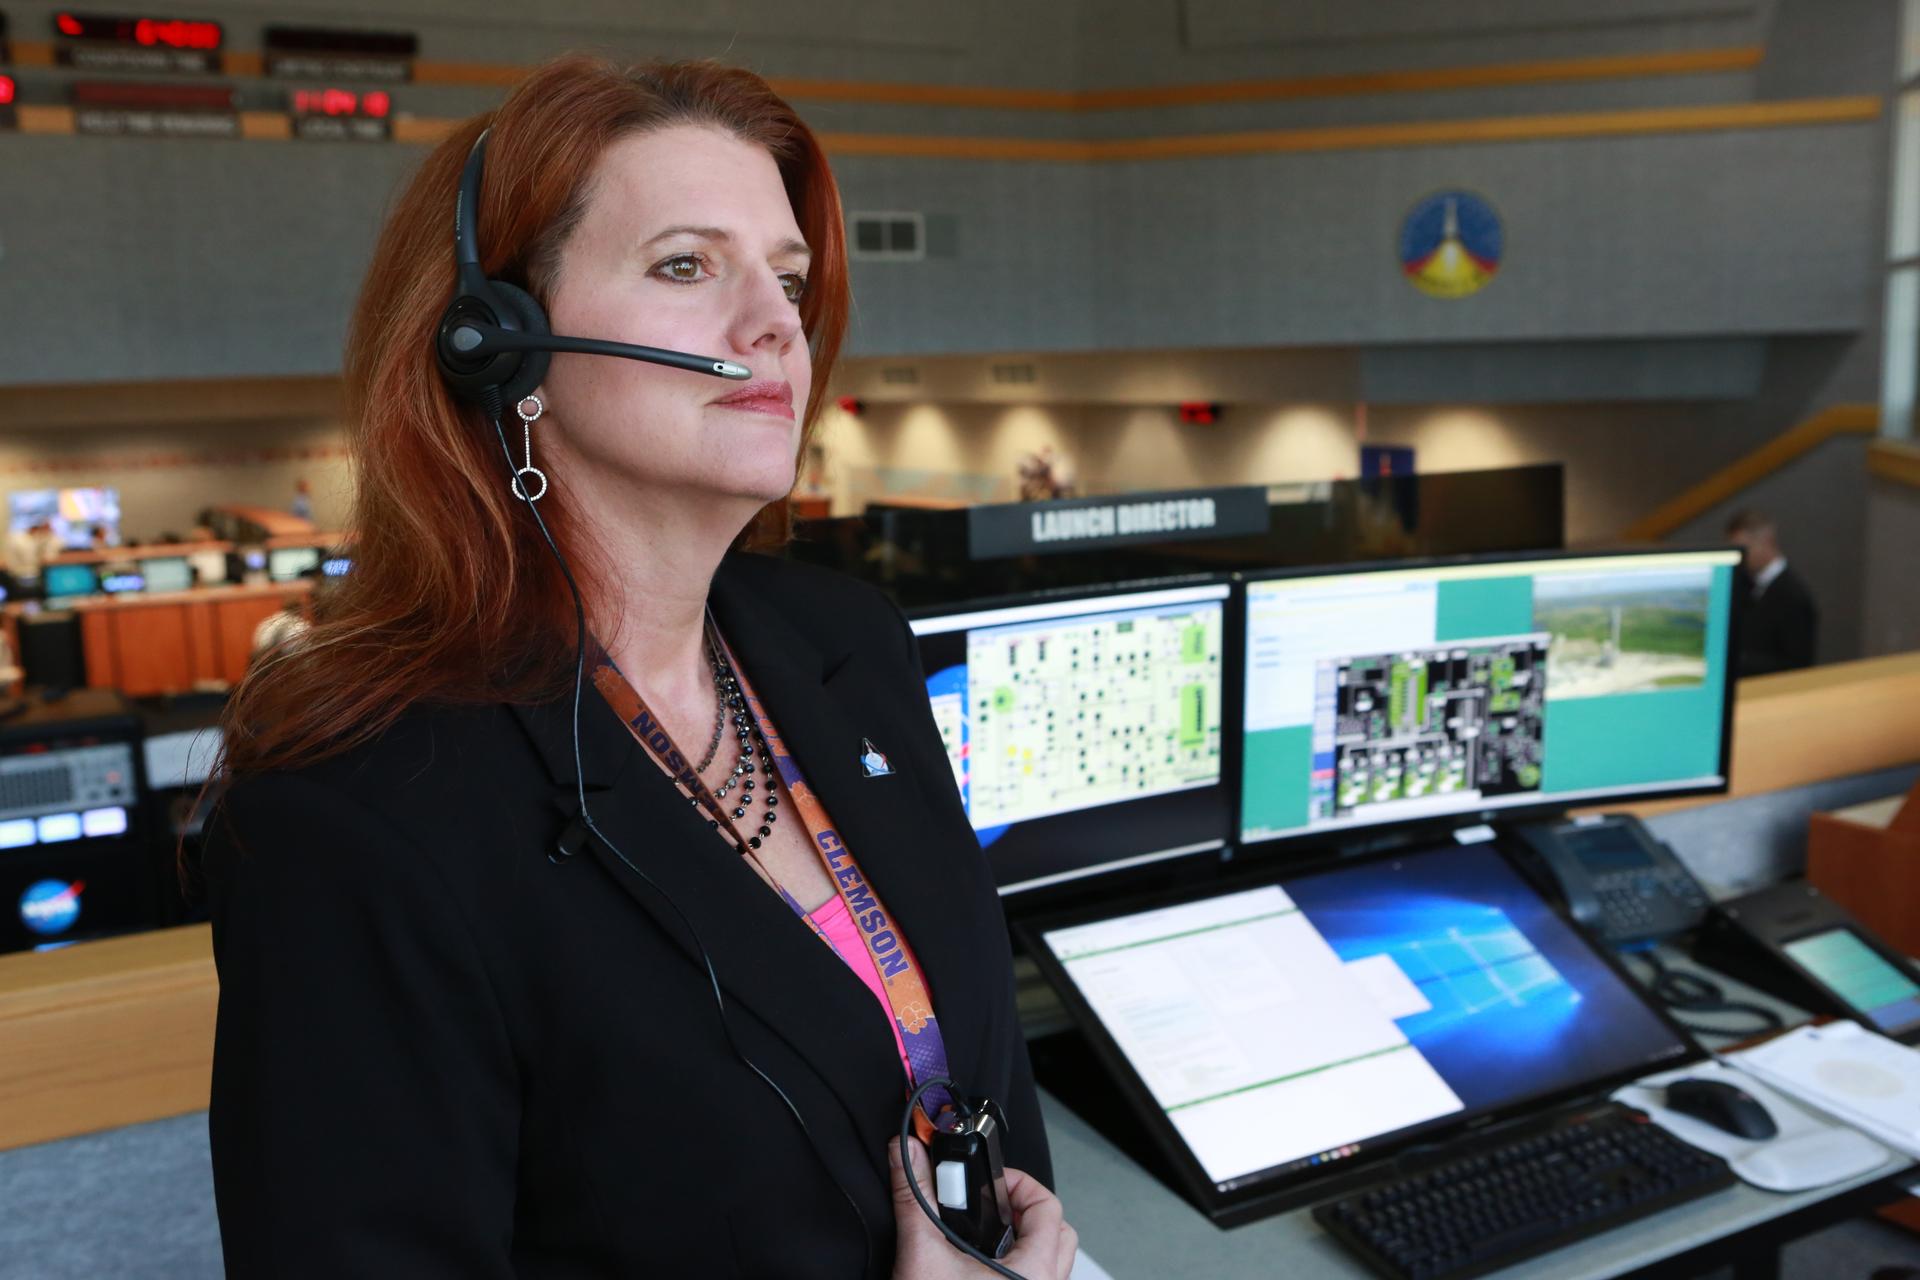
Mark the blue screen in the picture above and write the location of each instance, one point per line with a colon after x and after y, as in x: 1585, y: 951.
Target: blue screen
x: 70, y: 580
x: 1520, y: 1006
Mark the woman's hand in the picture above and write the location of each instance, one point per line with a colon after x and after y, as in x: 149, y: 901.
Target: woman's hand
x: 1043, y: 1250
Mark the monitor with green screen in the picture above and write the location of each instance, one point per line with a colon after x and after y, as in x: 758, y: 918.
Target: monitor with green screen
x: 1861, y: 976
x: 167, y: 573
x: 1403, y: 694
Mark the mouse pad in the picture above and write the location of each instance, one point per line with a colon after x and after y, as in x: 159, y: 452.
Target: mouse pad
x: 1808, y: 1151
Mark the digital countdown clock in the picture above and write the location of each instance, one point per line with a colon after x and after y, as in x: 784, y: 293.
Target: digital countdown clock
x: 104, y: 42
x: 341, y: 115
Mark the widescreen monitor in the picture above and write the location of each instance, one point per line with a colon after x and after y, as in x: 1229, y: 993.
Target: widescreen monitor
x: 284, y: 564
x: 1085, y: 732
x: 73, y: 514
x: 1281, y: 1031
x: 1408, y: 694
x: 58, y: 581
x: 167, y: 573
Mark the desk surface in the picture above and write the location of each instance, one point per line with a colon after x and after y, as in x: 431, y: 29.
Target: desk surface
x: 1136, y: 1227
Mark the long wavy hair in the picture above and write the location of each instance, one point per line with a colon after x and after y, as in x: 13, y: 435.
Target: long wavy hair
x: 454, y: 596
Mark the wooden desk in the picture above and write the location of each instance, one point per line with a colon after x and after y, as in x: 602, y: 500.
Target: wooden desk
x: 133, y: 555
x: 105, y: 1033
x: 173, y: 641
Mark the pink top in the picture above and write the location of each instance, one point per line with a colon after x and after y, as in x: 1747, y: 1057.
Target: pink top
x: 837, y: 923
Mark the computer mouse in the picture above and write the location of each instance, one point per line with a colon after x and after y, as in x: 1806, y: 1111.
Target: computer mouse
x: 1724, y: 1106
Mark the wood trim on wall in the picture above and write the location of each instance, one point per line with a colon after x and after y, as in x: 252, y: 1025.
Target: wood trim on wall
x: 1730, y: 481
x: 1895, y: 460
x: 1419, y: 133
x: 251, y: 65
x: 1429, y: 80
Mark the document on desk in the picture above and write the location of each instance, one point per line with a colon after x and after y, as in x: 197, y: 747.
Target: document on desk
x: 1085, y: 1268
x: 1258, y: 1041
x: 1853, y: 1074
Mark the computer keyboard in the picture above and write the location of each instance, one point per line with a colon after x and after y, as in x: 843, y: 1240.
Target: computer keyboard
x: 1512, y: 1200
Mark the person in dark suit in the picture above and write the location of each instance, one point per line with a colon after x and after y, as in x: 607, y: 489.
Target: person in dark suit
x: 506, y: 991
x: 1775, y: 617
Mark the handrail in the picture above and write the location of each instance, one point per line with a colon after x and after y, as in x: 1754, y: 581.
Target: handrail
x: 1895, y: 460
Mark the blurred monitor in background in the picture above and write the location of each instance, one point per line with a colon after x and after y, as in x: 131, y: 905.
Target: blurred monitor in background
x: 65, y: 581
x: 169, y: 573
x: 77, y: 517
x: 284, y: 564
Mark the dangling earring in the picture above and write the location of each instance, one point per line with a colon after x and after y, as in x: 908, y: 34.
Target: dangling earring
x: 527, y: 419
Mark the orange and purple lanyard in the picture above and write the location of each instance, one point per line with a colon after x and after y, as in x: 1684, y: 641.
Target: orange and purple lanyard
x: 908, y: 1000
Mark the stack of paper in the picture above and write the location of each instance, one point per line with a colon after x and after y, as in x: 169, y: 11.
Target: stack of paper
x: 1855, y: 1075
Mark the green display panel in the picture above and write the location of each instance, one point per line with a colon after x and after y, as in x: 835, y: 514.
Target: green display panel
x: 1276, y: 767
x: 1475, y: 608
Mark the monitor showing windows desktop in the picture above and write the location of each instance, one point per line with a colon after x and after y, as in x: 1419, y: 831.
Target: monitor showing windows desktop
x: 1283, y: 1028
x: 1085, y: 731
x: 1406, y: 694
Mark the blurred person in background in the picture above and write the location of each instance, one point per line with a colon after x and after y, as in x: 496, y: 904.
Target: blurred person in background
x: 1775, y: 619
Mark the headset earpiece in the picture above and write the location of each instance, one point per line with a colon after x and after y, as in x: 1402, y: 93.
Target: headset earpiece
x: 507, y: 375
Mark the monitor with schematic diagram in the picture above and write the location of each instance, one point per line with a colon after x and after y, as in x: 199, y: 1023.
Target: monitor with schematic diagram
x: 1084, y: 730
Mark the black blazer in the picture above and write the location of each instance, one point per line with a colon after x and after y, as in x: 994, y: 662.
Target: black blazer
x: 1776, y: 629
x: 441, y: 1054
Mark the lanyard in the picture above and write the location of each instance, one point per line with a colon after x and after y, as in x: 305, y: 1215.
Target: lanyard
x: 908, y: 999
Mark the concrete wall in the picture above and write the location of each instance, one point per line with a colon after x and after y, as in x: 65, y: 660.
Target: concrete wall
x: 1891, y: 621
x: 134, y: 258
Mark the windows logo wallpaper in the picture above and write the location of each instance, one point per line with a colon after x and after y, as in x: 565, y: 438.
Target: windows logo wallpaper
x: 1516, y: 1005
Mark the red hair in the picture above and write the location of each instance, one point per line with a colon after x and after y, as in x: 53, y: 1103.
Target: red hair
x: 454, y: 596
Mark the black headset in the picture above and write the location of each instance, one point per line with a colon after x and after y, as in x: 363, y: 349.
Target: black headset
x: 493, y: 343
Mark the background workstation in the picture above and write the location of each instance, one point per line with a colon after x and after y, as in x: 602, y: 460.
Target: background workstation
x: 1162, y: 243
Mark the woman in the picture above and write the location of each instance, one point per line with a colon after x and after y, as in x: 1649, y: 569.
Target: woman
x: 462, y: 1032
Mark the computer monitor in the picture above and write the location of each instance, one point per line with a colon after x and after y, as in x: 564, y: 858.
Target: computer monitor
x: 73, y: 514
x: 121, y: 579
x: 1084, y: 731
x: 58, y: 581
x: 1407, y: 694
x: 1276, y: 1033
x: 167, y: 573
x: 284, y: 564
x: 209, y: 566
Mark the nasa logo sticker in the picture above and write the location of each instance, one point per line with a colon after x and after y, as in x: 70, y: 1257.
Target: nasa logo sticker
x: 1451, y: 244
x: 49, y: 907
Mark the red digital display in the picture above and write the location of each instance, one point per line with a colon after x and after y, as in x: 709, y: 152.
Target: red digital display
x: 375, y: 104
x: 1199, y: 411
x: 148, y: 33
x: 6, y: 91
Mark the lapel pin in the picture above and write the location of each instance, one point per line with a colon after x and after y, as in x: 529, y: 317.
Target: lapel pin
x: 875, y: 764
